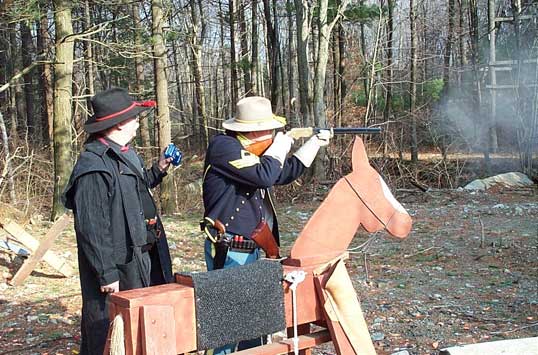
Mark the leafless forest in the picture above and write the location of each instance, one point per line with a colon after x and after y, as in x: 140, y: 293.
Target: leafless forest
x: 440, y: 77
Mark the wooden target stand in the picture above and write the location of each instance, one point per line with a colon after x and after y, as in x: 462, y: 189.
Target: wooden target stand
x: 39, y: 249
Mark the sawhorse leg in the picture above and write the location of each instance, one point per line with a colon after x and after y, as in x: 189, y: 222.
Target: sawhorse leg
x: 306, y: 342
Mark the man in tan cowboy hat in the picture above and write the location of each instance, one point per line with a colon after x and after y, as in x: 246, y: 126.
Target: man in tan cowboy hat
x: 120, y: 238
x: 241, y: 166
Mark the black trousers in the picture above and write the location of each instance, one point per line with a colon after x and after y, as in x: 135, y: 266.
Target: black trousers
x: 95, y: 317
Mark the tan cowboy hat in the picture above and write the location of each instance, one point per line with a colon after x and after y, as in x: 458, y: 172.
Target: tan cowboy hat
x: 254, y: 113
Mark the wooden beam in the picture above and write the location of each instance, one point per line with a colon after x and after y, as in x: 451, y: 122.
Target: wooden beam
x: 503, y: 87
x: 286, y: 346
x: 30, y: 263
x: 158, y: 330
x: 511, y: 18
x: 512, y: 62
x: 20, y: 235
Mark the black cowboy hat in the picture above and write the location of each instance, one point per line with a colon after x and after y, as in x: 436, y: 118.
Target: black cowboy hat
x: 113, y: 106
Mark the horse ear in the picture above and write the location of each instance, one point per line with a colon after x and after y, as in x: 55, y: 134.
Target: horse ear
x: 358, y: 156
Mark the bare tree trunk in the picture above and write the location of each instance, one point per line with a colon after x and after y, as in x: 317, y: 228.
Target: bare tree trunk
x: 179, y: 90
x: 254, y: 55
x: 90, y: 71
x: 7, y: 172
x: 27, y: 54
x: 461, y: 41
x: 493, y: 74
x: 446, y: 76
x: 88, y: 66
x: 47, y: 95
x: 302, y: 10
x: 197, y: 34
x: 388, y: 84
x: 320, y: 116
x: 291, y: 108
x: 140, y: 79
x: 233, y: 63
x: 216, y: 104
x: 413, y: 84
x: 225, y: 84
x: 273, y: 49
x: 243, y: 35
x: 363, y: 52
x: 7, y: 71
x: 63, y: 73
x: 20, y: 120
x: 168, y: 202
x: 343, y: 62
x: 476, y: 93
x: 335, y: 82
x: 284, y: 97
x: 448, y: 49
x: 524, y: 97
x: 325, y: 29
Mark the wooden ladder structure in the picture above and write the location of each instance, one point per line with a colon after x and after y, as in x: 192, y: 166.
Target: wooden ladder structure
x: 524, y: 11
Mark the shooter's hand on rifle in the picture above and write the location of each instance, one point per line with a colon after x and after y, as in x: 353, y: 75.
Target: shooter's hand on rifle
x: 309, y: 150
x: 323, y: 137
x: 281, y: 146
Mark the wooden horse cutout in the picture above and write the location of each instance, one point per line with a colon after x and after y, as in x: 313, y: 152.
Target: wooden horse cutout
x: 360, y: 198
x: 325, y: 297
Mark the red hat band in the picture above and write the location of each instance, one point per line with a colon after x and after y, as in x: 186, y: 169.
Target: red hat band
x: 149, y: 103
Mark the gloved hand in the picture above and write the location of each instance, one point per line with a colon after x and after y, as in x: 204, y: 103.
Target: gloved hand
x: 280, y: 147
x: 309, y: 150
x: 323, y: 137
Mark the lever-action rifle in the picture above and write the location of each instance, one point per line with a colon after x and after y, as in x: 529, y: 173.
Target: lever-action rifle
x: 305, y: 132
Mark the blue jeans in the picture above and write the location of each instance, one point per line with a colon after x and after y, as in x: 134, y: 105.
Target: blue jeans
x: 233, y: 258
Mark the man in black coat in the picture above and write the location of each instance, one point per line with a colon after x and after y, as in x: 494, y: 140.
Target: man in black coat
x: 120, y: 237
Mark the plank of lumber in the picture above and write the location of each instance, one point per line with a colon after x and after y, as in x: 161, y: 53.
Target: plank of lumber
x: 58, y: 263
x: 286, y: 346
x: 340, y: 339
x: 30, y: 263
x: 158, y: 330
x: 527, y: 346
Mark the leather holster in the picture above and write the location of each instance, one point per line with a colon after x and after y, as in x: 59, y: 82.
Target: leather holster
x: 263, y: 237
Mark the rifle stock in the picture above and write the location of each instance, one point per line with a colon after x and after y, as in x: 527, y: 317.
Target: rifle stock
x: 304, y: 132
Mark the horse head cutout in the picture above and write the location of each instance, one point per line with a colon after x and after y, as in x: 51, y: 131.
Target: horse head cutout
x: 360, y: 198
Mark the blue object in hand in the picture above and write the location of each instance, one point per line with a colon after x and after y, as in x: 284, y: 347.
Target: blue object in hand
x: 173, y: 152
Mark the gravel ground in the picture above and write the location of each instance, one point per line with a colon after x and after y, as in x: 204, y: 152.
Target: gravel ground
x: 467, y: 273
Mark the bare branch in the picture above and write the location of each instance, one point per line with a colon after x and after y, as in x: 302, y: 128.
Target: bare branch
x: 23, y: 72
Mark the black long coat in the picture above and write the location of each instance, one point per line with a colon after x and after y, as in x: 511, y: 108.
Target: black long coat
x: 104, y: 194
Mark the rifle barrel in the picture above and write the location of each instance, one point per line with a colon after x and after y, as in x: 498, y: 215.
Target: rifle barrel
x: 352, y: 130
